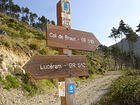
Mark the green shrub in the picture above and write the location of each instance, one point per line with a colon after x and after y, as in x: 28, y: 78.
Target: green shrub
x: 90, y: 69
x: 7, y: 85
x: 20, y: 35
x: 31, y: 89
x: 21, y: 26
x: 25, y: 78
x: 38, y: 34
x: 5, y: 41
x: 46, y: 83
x: 28, y: 85
x: 10, y: 82
x: 125, y: 90
x: 33, y: 46
x: 130, y: 72
x: 41, y: 37
x: 11, y: 25
x: 42, y: 51
x: 75, y: 52
x: 95, y: 65
x: 14, y: 35
x: 0, y: 79
x: 24, y: 35
x: 11, y: 20
x: 13, y: 81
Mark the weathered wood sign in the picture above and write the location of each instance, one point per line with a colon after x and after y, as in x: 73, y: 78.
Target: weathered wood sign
x: 61, y: 66
x: 61, y: 37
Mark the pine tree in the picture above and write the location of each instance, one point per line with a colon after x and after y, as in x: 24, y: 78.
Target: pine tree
x: 131, y: 37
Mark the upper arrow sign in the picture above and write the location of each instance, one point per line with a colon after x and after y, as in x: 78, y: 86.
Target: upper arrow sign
x: 61, y: 37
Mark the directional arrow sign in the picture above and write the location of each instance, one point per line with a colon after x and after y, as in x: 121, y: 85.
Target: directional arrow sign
x: 61, y: 37
x: 43, y: 67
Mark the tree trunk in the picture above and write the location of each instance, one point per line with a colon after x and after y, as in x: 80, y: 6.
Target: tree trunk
x: 121, y: 43
x: 131, y: 50
x: 115, y: 66
x: 121, y: 53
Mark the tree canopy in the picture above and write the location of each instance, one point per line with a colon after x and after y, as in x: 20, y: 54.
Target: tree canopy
x: 24, y: 14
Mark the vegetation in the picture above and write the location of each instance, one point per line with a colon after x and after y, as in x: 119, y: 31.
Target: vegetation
x: 46, y: 83
x: 17, y: 38
x: 10, y: 82
x: 4, y: 41
x: 31, y: 89
x: 24, y: 15
x: 25, y: 32
x: 125, y: 58
x: 25, y: 82
x: 23, y: 37
x: 98, y: 62
x: 125, y: 90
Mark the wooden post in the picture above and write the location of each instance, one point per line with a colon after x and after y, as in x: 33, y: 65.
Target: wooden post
x: 63, y: 19
x: 63, y: 99
x: 69, y: 98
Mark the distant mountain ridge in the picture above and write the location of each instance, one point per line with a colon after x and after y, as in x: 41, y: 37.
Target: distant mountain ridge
x: 126, y: 47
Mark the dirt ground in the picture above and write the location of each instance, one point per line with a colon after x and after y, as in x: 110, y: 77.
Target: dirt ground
x: 88, y: 93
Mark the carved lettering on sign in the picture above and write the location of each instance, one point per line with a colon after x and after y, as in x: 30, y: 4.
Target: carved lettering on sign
x: 59, y: 66
x: 61, y: 37
x: 50, y: 67
x: 43, y: 67
x: 82, y: 40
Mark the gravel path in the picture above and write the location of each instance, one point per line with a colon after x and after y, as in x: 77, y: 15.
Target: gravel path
x: 88, y: 93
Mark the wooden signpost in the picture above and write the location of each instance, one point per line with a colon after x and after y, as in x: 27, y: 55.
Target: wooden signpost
x: 61, y: 37
x: 60, y: 66
x: 63, y: 66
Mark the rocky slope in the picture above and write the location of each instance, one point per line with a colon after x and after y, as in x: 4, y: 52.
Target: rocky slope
x: 11, y: 62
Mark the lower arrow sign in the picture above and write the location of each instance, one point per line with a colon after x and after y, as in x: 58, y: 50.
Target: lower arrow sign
x: 43, y: 67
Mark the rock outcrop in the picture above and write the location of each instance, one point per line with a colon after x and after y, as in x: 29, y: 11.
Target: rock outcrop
x: 11, y: 62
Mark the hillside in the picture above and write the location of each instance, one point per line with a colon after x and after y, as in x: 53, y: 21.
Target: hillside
x: 126, y: 47
x: 18, y: 46
x: 23, y: 38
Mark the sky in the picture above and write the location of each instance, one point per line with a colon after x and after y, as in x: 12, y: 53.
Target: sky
x: 96, y: 16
